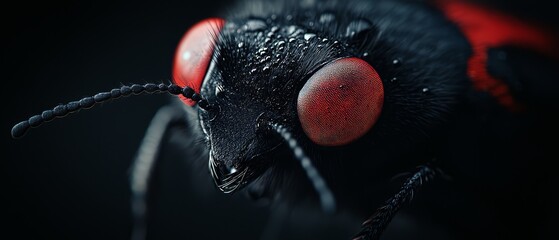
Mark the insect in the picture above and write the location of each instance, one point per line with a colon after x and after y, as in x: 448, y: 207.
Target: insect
x: 394, y: 95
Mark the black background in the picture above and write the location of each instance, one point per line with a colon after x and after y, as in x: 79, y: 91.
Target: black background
x: 69, y: 178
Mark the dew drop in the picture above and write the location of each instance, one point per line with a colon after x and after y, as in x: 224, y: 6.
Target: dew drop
x: 254, y: 25
x: 291, y: 29
x: 308, y: 36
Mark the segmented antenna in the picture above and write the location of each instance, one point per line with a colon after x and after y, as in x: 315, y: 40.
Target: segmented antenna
x: 88, y: 102
x: 325, y: 195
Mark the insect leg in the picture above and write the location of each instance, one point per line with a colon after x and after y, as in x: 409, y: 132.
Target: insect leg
x: 166, y: 118
x: 374, y: 226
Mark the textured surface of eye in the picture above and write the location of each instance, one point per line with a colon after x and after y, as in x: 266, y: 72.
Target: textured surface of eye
x: 340, y: 102
x: 194, y: 54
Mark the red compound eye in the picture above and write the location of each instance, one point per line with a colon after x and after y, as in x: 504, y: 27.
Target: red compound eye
x: 194, y: 54
x: 340, y: 102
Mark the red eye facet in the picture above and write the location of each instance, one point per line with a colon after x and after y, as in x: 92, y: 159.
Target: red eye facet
x: 340, y: 102
x: 194, y: 54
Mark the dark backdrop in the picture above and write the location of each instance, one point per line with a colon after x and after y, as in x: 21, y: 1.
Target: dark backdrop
x: 68, y: 179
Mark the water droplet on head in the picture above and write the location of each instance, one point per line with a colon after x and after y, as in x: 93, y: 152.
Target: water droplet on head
x: 254, y: 25
x: 424, y: 90
x: 396, y: 62
x: 308, y: 36
x: 291, y: 29
x: 240, y: 45
x: 292, y: 40
x: 365, y: 54
x: 394, y: 79
x: 230, y: 25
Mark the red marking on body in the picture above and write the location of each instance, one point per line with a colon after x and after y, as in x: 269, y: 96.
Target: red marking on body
x: 194, y: 54
x: 340, y: 102
x: 485, y: 29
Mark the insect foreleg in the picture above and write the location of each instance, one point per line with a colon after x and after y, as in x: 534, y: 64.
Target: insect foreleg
x: 374, y: 226
x: 165, y: 119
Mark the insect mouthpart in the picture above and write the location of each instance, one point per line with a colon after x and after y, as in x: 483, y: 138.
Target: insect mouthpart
x: 230, y: 179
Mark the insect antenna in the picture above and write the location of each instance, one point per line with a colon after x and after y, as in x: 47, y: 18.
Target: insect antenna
x: 88, y: 102
x: 325, y: 195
